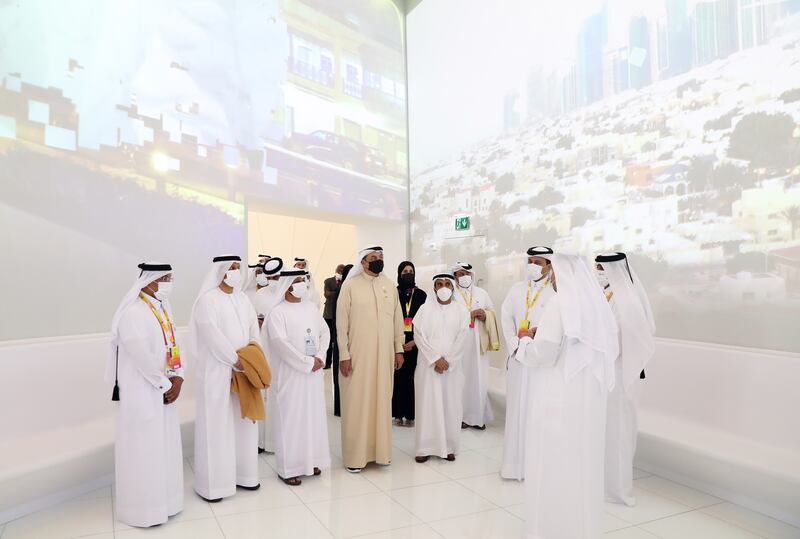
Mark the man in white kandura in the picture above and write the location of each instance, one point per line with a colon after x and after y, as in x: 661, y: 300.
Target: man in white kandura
x: 254, y: 280
x: 629, y: 303
x: 521, y: 312
x: 477, y: 409
x: 313, y: 295
x: 572, y: 353
x: 298, y: 340
x: 225, y: 444
x: 145, y: 365
x: 441, y: 329
x: 264, y: 302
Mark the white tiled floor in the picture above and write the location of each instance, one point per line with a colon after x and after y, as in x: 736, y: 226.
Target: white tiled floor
x: 461, y: 500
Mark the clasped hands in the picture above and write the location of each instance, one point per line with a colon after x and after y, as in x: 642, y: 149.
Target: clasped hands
x: 441, y: 365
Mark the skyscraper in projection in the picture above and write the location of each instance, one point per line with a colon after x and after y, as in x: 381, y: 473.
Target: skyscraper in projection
x: 678, y: 38
x: 592, y: 37
x: 757, y: 20
x: 639, y: 55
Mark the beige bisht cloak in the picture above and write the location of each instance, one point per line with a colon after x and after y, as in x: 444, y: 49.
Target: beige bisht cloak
x: 369, y: 326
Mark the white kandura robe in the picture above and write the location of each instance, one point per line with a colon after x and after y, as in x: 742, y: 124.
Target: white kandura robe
x: 518, y: 376
x: 225, y: 445
x: 622, y: 428
x: 440, y: 331
x: 565, y: 437
x: 148, y: 457
x: 298, y: 395
x: 263, y: 302
x: 477, y: 409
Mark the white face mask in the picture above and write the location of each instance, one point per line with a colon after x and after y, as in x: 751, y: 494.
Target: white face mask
x: 261, y: 280
x: 534, y: 271
x: 444, y: 294
x: 233, y: 278
x: 163, y: 291
x: 602, y: 278
x: 299, y: 290
x: 465, y: 281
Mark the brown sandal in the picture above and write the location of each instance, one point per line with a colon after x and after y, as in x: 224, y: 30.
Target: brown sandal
x: 292, y: 481
x: 317, y: 471
x: 421, y: 459
x: 451, y: 457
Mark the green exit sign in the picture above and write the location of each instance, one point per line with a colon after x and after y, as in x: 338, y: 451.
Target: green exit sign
x: 462, y: 223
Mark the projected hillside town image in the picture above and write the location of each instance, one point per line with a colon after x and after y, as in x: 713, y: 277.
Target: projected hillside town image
x: 669, y: 129
x: 118, y: 120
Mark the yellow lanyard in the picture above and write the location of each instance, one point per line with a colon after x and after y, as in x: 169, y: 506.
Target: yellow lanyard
x: 528, y: 304
x: 609, y: 295
x: 408, y: 305
x: 464, y: 297
x: 164, y: 325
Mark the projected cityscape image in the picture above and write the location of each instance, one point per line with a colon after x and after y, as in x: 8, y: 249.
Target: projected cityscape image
x: 670, y: 130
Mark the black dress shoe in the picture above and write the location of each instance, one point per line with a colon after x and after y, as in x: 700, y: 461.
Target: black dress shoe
x: 261, y: 450
x: 258, y: 486
x: 215, y: 500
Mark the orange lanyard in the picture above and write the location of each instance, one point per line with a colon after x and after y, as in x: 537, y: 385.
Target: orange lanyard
x: 530, y: 305
x: 164, y: 325
x: 609, y: 295
x: 408, y: 305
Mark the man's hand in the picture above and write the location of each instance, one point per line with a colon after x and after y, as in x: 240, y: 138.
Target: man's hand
x: 441, y: 365
x: 318, y: 364
x: 407, y: 347
x: 531, y: 333
x: 173, y: 392
x: 238, y: 365
x: 479, y: 314
x: 398, y: 361
x: 346, y: 367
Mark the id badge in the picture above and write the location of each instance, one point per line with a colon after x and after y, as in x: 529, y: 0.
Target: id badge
x: 173, y: 358
x: 408, y: 324
x: 311, y: 347
x: 523, y: 327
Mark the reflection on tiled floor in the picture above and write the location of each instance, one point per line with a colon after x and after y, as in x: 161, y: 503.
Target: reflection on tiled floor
x: 461, y: 500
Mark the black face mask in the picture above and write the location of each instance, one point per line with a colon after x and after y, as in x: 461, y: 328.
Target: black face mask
x: 407, y: 280
x: 376, y: 266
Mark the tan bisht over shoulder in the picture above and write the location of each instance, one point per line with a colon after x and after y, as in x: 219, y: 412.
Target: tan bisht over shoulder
x: 369, y: 326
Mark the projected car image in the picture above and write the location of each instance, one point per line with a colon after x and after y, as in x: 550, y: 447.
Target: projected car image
x: 683, y: 154
x: 339, y: 150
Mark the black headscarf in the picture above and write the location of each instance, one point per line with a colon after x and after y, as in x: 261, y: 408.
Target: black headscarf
x: 346, y: 270
x: 405, y: 293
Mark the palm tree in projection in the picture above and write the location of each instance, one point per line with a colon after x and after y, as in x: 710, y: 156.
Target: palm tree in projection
x: 792, y: 214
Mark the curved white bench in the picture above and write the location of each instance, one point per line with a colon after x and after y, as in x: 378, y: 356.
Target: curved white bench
x: 57, y: 422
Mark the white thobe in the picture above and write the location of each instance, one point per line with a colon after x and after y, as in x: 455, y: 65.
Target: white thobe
x: 517, y: 377
x: 565, y: 437
x: 440, y: 331
x: 225, y: 444
x: 475, y: 365
x: 148, y: 457
x: 297, y: 334
x: 263, y: 303
x: 621, y: 432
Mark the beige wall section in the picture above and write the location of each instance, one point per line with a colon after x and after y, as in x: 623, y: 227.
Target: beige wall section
x: 324, y: 243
